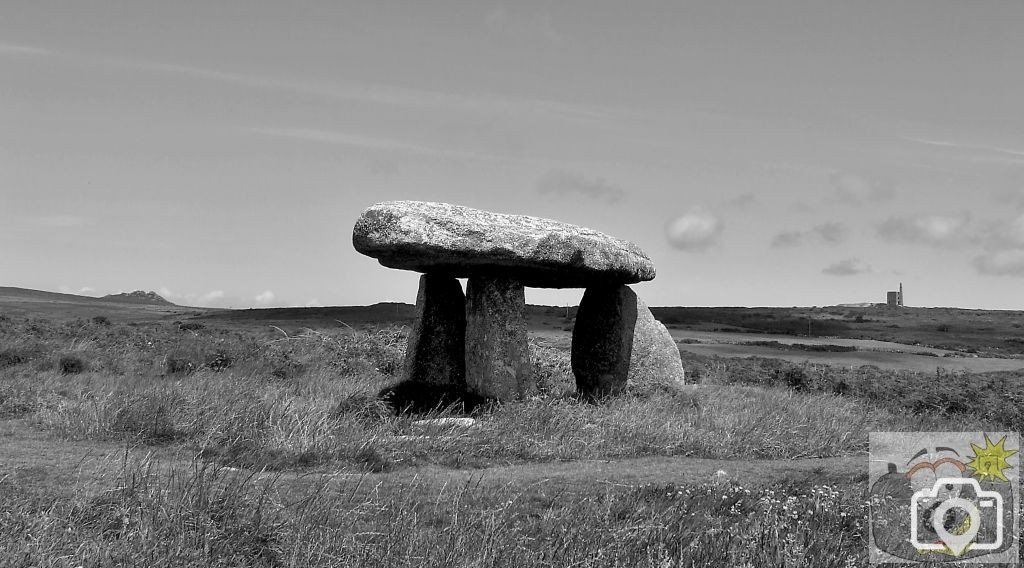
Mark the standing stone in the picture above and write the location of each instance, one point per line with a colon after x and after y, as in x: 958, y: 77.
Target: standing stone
x: 497, y: 352
x: 616, y: 343
x: 437, y: 342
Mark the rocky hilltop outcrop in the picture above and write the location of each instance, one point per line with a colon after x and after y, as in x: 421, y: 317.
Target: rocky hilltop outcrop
x: 137, y: 297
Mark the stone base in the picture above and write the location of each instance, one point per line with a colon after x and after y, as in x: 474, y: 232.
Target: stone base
x: 437, y: 342
x: 616, y: 343
x: 497, y: 351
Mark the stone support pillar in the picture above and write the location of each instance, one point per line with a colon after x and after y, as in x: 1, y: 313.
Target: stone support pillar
x: 436, y: 354
x: 498, y: 362
x: 617, y: 342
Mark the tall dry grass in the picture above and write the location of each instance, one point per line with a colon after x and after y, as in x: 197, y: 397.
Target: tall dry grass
x: 202, y: 514
x: 267, y: 415
x: 310, y: 399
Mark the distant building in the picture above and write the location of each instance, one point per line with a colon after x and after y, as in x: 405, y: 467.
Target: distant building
x: 894, y: 299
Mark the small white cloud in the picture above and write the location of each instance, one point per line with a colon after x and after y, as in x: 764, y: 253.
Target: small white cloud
x: 831, y: 233
x: 1007, y: 234
x: 1001, y: 263
x: 264, y: 298
x: 848, y: 267
x: 571, y: 184
x: 314, y: 303
x: 935, y: 230
x: 852, y: 188
x: 1003, y: 242
x: 787, y: 239
x: 211, y: 296
x: 696, y: 230
x: 208, y: 299
x: 1009, y: 197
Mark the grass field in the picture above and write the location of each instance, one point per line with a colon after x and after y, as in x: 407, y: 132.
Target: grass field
x: 212, y: 442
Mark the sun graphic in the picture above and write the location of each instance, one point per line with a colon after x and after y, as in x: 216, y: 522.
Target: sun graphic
x: 989, y: 462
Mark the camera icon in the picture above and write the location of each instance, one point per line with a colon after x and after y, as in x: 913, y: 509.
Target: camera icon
x: 940, y: 518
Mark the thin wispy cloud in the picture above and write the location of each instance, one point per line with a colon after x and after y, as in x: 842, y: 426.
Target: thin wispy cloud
x: 13, y: 49
x: 741, y: 201
x: 62, y: 221
x: 826, y: 233
x: 359, y: 91
x: 966, y: 146
x: 695, y: 231
x: 848, y: 267
x: 562, y: 183
x: 365, y: 142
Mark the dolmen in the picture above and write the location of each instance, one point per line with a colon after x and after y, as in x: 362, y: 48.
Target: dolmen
x: 476, y: 342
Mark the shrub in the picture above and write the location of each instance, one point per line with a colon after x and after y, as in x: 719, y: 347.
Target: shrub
x: 12, y: 357
x: 174, y: 364
x: 70, y: 364
x: 101, y: 320
x: 16, y: 402
x: 218, y: 360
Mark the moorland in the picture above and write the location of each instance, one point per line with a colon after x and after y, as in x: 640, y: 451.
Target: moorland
x: 142, y: 432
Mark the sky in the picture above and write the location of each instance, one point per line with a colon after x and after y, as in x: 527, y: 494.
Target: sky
x: 761, y: 152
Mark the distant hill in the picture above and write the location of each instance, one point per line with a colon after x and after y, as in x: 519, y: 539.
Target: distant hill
x: 128, y: 307
x: 10, y: 292
x: 138, y: 297
x: 377, y: 313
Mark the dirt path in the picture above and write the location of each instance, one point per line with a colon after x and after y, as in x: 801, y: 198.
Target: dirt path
x: 645, y: 470
x: 30, y: 458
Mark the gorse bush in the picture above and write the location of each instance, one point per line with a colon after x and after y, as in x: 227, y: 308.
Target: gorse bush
x: 12, y: 357
x: 71, y: 364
